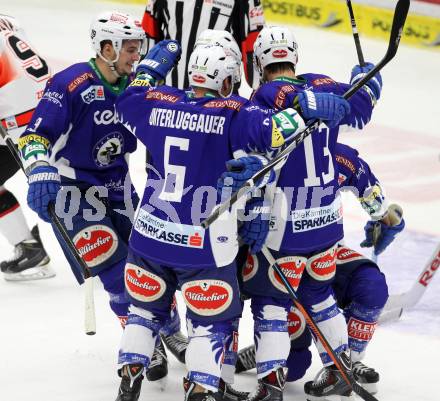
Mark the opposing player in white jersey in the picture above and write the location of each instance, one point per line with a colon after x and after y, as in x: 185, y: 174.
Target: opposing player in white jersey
x: 23, y: 75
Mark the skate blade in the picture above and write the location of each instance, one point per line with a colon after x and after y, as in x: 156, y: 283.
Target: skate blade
x: 370, y: 387
x: 333, y: 397
x: 34, y: 273
x: 160, y: 384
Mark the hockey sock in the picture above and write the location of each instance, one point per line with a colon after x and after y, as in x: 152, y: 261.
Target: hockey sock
x: 205, y: 352
x: 271, y: 337
x: 332, y: 324
x: 13, y: 225
x: 139, y: 337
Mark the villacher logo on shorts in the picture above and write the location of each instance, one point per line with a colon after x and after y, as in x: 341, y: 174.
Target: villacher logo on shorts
x: 322, y: 266
x: 292, y: 267
x: 207, y: 297
x: 250, y: 268
x: 143, y: 285
x: 296, y: 323
x: 96, y: 244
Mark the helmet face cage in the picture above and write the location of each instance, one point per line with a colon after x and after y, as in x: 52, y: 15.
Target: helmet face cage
x: 224, y: 39
x: 115, y: 27
x: 274, y: 45
x: 209, y: 66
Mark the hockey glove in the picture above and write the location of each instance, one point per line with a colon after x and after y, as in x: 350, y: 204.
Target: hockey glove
x: 242, y: 169
x: 254, y: 230
x: 328, y: 107
x: 380, y: 234
x: 373, y: 86
x: 44, y: 184
x: 160, y: 60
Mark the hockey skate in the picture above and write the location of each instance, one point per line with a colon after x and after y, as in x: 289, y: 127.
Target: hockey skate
x: 245, y: 359
x: 131, y: 383
x: 328, y: 386
x: 30, y: 261
x: 190, y: 395
x: 227, y: 393
x: 366, y: 377
x: 177, y: 344
x: 270, y: 387
x: 158, y: 369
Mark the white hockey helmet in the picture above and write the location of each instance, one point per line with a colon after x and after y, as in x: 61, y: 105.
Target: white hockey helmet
x: 116, y: 27
x: 209, y: 66
x: 224, y: 39
x: 275, y: 44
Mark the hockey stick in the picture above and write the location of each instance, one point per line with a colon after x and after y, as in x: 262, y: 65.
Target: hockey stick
x: 357, y: 42
x: 340, y: 365
x: 409, y: 299
x: 89, y: 318
x: 400, y: 14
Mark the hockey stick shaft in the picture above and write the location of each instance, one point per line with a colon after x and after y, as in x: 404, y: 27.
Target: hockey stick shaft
x: 316, y: 330
x: 59, y: 226
x: 400, y: 14
x: 354, y: 29
x: 412, y: 297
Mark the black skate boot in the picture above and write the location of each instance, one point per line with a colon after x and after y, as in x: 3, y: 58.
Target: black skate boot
x: 227, y: 393
x: 177, y: 344
x: 270, y: 387
x: 29, y: 262
x: 158, y: 368
x: 328, y: 385
x: 366, y: 377
x: 245, y: 359
x: 131, y: 383
x: 190, y: 395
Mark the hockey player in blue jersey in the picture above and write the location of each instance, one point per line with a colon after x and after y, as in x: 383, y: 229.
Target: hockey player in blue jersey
x: 74, y: 142
x: 306, y: 213
x: 189, y: 136
x: 359, y: 286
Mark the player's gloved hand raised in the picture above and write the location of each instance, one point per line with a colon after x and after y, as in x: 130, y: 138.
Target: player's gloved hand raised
x: 242, y: 169
x: 374, y: 84
x: 160, y: 60
x: 328, y: 107
x: 381, y: 233
x: 44, y: 184
x: 254, y: 230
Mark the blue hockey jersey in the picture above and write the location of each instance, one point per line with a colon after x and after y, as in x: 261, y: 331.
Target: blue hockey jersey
x: 76, y: 123
x: 188, y: 140
x: 307, y: 210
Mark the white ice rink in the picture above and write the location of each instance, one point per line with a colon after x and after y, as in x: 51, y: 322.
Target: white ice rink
x: 44, y: 355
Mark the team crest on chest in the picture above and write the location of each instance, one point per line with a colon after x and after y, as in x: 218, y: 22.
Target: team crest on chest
x: 108, y: 149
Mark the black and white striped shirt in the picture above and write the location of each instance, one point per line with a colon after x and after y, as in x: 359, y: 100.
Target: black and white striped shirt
x: 184, y: 20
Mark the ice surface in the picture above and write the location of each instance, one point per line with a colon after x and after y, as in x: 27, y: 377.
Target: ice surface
x: 44, y: 354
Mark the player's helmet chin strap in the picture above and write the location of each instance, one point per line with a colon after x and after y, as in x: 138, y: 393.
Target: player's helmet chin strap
x: 230, y: 91
x: 111, y: 64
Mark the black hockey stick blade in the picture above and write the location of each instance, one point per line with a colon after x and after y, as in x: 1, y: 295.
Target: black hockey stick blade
x: 399, y: 19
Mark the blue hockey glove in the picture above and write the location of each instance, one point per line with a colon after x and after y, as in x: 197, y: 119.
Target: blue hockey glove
x: 328, y: 107
x: 254, y: 230
x: 44, y: 184
x: 374, y: 84
x: 242, y: 169
x: 380, y: 235
x: 160, y: 60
